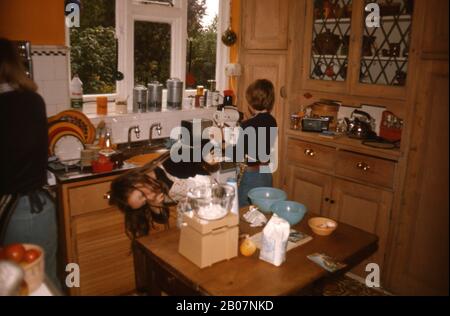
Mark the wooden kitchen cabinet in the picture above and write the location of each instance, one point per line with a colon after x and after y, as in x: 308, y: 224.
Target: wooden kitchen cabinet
x: 270, y: 66
x: 358, y: 205
x: 419, y: 260
x: 348, y: 186
x: 263, y: 55
x: 356, y: 59
x: 311, y: 188
x: 93, y: 235
x: 413, y: 230
x: 366, y: 208
x: 104, y: 254
x: 266, y: 24
x: 435, y: 34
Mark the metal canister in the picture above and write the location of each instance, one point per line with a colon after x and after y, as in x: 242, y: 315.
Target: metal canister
x: 174, y: 94
x: 139, y: 99
x: 154, y: 99
x: 212, y: 85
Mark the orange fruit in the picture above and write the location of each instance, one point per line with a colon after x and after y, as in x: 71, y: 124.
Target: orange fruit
x: 247, y: 247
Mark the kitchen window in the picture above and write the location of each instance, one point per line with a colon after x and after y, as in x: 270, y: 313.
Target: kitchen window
x: 153, y: 40
x: 93, y: 52
x: 152, y: 48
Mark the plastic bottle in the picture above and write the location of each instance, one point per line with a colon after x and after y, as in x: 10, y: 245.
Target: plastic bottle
x: 76, y: 93
x: 235, y: 205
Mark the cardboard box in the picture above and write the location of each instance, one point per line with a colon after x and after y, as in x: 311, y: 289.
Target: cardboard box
x: 208, y: 242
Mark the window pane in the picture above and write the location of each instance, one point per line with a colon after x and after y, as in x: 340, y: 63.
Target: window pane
x: 385, y: 49
x: 152, y: 46
x: 331, y: 40
x: 94, y: 47
x: 202, y: 42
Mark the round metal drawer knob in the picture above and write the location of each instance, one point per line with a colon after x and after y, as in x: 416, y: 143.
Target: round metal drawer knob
x: 363, y: 166
x: 310, y: 152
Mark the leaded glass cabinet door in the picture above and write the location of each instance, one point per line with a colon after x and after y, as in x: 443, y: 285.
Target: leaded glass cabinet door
x: 327, y: 40
x: 384, y: 47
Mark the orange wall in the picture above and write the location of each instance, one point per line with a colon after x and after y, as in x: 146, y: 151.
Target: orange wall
x: 38, y: 21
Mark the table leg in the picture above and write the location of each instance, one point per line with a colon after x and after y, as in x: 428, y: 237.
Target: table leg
x: 145, y: 274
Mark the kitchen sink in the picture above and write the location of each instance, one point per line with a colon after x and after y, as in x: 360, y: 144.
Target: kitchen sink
x: 144, y: 158
x: 140, y: 153
x: 143, y: 145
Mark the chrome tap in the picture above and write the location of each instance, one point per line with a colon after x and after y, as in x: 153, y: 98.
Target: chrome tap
x: 136, y: 130
x: 158, y: 130
x: 108, y: 140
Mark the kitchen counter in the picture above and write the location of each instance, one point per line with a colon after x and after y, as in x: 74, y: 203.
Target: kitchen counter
x: 346, y: 143
x: 75, y: 174
x: 63, y: 176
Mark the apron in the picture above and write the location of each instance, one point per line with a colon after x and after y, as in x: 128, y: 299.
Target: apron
x: 8, y: 202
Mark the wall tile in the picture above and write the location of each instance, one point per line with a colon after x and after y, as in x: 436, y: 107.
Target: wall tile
x: 43, y: 68
x: 56, y: 92
x: 168, y: 120
x: 50, y: 70
x: 61, y: 68
x: 51, y: 109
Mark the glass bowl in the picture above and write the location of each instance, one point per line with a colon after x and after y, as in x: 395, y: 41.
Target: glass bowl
x: 211, y: 202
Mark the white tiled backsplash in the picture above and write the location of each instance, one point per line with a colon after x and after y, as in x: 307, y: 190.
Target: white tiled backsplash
x: 119, y: 124
x: 51, y: 74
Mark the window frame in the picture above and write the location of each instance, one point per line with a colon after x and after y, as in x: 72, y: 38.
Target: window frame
x: 129, y: 11
x: 175, y: 16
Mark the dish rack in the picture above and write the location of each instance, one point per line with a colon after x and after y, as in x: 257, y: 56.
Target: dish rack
x: 66, y: 166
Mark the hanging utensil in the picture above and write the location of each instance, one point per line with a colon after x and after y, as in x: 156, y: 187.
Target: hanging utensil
x: 118, y: 76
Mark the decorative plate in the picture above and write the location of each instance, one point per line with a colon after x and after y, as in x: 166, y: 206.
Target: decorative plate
x: 77, y: 118
x: 67, y: 147
x: 55, y: 129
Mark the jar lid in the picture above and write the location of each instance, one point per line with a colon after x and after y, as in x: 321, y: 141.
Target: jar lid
x: 140, y: 88
x: 228, y: 93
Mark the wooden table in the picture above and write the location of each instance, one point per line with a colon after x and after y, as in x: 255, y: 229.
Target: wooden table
x: 160, y: 268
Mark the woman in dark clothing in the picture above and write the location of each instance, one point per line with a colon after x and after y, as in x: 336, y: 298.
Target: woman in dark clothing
x: 27, y: 214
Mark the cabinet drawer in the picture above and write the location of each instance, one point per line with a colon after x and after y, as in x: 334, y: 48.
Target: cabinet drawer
x: 364, y: 168
x: 309, y: 154
x: 89, y: 198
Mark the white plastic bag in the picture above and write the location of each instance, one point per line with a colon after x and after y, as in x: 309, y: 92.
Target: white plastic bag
x: 274, y: 241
